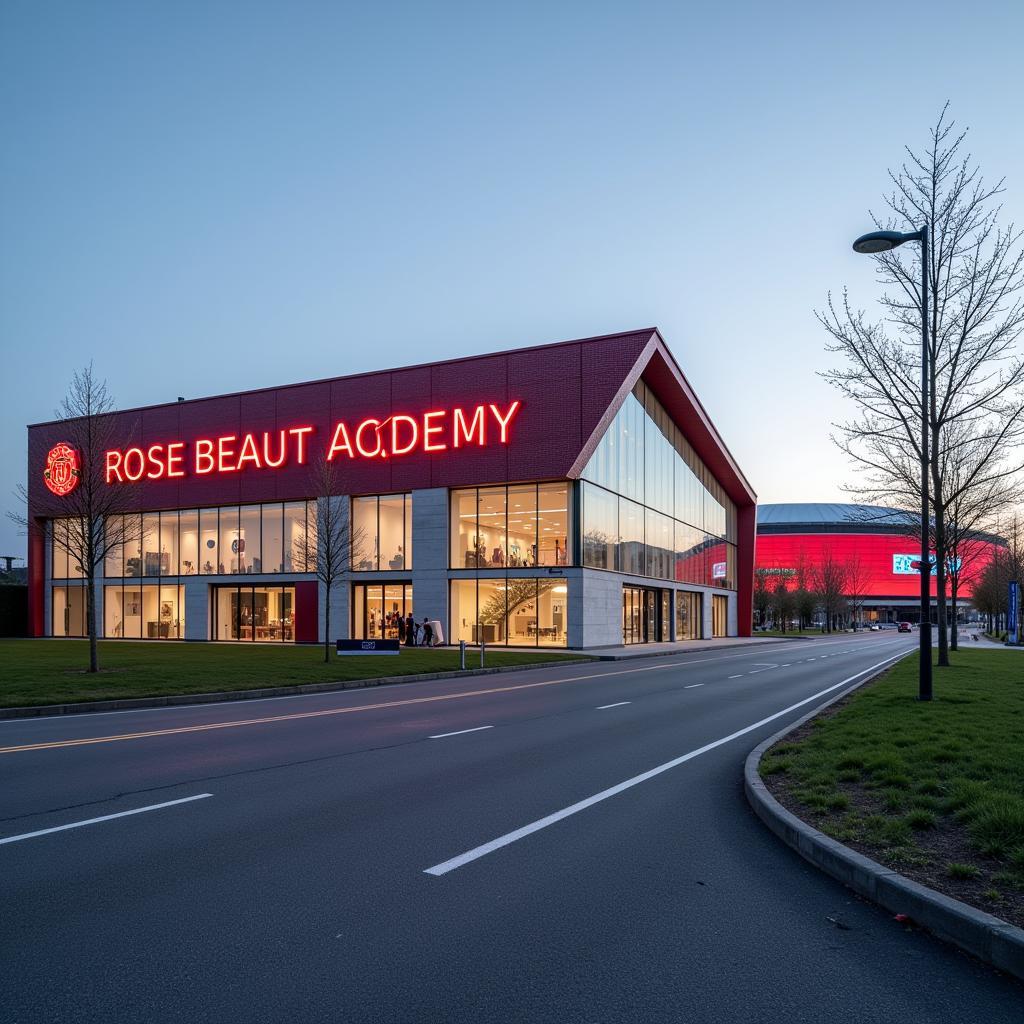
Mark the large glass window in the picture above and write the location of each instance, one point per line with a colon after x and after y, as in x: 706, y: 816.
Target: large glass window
x: 188, y: 541
x: 258, y: 614
x: 631, y: 537
x: 151, y: 560
x: 68, y: 611
x: 600, y: 527
x: 515, y: 527
x: 515, y: 612
x: 297, y: 557
x: 169, y: 544
x: 209, y: 555
x: 250, y: 557
x: 660, y: 545
x: 382, y: 532
x: 719, y: 615
x: 227, y: 541
x: 273, y: 538
x: 66, y: 542
x: 146, y: 611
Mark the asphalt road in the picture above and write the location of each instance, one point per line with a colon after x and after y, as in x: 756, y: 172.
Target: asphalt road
x: 585, y: 853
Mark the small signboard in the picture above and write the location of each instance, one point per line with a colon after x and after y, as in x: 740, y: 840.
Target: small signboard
x: 368, y: 647
x: 1013, y: 613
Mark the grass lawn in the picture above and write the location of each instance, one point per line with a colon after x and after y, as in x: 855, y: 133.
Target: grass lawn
x: 935, y: 790
x: 53, y: 671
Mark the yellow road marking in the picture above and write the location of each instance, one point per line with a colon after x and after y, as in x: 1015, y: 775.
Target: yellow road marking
x: 90, y: 740
x: 87, y: 741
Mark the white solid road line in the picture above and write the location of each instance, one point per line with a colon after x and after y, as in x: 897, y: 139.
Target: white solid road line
x: 692, y: 686
x: 605, y: 707
x: 461, y: 732
x: 510, y: 837
x: 740, y: 676
x: 106, y: 817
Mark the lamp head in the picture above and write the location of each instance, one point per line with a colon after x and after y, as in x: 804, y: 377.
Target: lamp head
x: 882, y: 241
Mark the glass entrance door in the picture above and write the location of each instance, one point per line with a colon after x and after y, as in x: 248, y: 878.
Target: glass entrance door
x: 644, y: 615
x: 379, y: 610
x: 262, y: 614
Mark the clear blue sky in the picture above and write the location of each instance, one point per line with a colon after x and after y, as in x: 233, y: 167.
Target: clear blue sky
x: 202, y: 197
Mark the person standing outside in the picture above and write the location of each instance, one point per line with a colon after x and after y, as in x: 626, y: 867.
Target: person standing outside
x: 428, y: 633
x: 410, y: 631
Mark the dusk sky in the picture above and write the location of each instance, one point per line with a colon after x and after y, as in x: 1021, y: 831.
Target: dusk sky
x: 207, y: 197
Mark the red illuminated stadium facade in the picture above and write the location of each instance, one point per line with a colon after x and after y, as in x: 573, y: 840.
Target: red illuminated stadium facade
x: 792, y: 538
x: 567, y: 495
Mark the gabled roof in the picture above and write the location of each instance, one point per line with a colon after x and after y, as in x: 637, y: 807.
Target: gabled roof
x: 569, y: 391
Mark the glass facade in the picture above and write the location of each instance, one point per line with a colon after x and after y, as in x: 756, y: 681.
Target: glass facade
x: 514, y: 612
x: 651, y: 507
x: 242, y: 540
x: 137, y: 611
x: 518, y: 526
x: 719, y: 615
x: 258, y: 614
x: 382, y: 532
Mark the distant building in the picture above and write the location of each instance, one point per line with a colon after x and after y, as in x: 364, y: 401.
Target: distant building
x: 794, y: 538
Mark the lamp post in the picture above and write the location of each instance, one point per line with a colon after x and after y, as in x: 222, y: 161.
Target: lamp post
x: 869, y: 244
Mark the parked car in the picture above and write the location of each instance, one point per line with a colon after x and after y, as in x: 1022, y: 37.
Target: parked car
x: 876, y: 628
x: 903, y: 627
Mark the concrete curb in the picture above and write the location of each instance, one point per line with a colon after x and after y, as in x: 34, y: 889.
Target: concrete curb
x: 989, y: 938
x: 185, y: 699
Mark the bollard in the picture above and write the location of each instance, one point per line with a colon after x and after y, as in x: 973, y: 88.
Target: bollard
x: 483, y: 647
x: 462, y: 654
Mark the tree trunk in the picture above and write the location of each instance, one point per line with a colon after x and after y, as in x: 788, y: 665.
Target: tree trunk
x: 90, y: 615
x: 954, y: 636
x: 327, y: 624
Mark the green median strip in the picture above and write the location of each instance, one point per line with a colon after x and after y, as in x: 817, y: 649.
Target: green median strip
x: 38, y: 672
x: 934, y: 790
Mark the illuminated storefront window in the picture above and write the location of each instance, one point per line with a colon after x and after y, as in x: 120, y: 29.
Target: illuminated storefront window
x: 382, y: 532
x: 519, y: 526
x: 257, y: 614
x: 513, y: 612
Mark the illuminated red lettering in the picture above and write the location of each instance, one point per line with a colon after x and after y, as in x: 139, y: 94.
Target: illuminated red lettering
x: 224, y: 453
x: 429, y: 429
x: 282, y: 451
x: 248, y: 452
x: 300, y: 435
x: 175, y: 457
x: 461, y: 432
x: 204, y: 457
x: 504, y: 421
x: 340, y: 442
x: 156, y: 468
x: 396, y: 447
x: 375, y: 425
x: 140, y: 459
x: 114, y: 467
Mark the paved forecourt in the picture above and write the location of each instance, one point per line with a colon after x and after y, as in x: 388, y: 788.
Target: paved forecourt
x: 562, y: 844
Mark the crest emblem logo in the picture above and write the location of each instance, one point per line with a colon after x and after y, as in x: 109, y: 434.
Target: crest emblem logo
x: 63, y: 469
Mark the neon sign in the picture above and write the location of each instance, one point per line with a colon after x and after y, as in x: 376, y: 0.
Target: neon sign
x: 63, y: 469
x: 399, y: 434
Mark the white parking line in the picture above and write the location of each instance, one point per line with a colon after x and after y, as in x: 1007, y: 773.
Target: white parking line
x: 740, y: 676
x: 461, y: 732
x: 106, y: 817
x: 605, y: 707
x: 535, y: 826
x: 692, y: 686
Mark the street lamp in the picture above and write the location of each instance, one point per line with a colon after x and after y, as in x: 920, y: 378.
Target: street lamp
x: 870, y: 244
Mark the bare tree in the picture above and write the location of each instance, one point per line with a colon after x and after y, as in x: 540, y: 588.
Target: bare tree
x: 332, y: 543
x: 857, y: 583
x: 762, y: 596
x: 974, y: 275
x: 829, y: 581
x: 782, y: 604
x: 95, y: 520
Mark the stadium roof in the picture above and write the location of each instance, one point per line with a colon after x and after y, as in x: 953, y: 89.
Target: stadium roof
x: 816, y: 515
